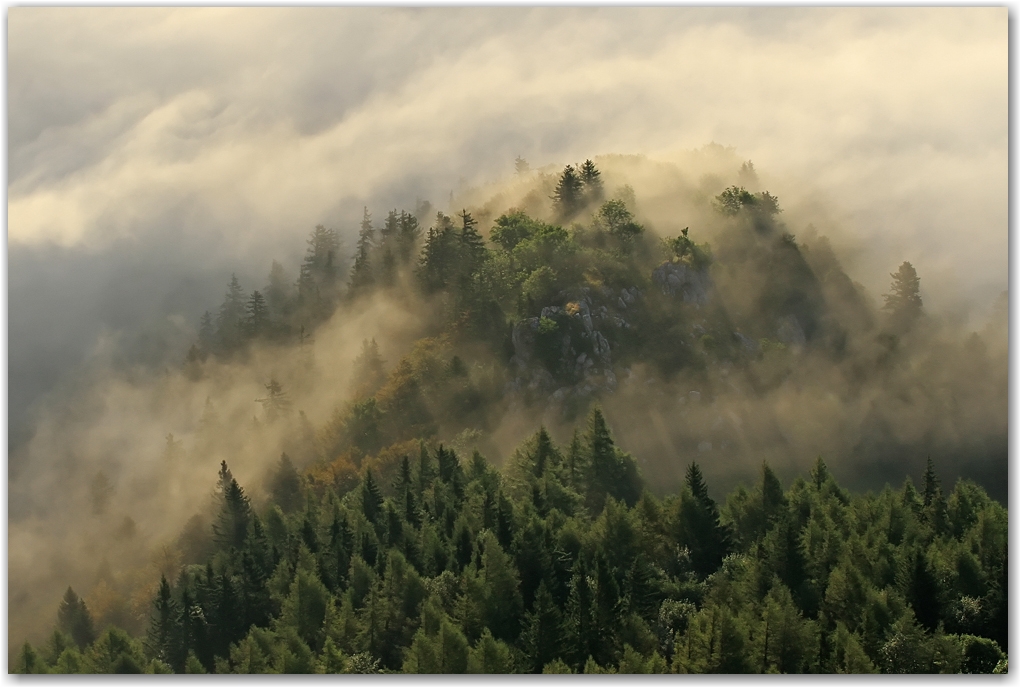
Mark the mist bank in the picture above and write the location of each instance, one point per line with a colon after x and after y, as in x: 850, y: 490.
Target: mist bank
x: 274, y: 120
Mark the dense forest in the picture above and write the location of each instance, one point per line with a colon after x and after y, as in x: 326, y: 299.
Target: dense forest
x: 564, y: 563
x: 381, y: 539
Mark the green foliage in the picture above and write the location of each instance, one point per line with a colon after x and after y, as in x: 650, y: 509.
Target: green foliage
x: 615, y: 219
x: 73, y: 618
x: 903, y: 302
x: 563, y: 563
x: 569, y: 197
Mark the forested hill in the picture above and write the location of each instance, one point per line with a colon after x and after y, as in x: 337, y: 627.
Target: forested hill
x: 562, y: 563
x: 714, y: 331
x: 426, y: 479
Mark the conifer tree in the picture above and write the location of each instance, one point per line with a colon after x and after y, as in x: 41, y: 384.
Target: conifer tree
x: 285, y: 486
x: 231, y: 315
x: 371, y: 498
x: 700, y: 529
x: 439, y: 257
x: 543, y: 630
x: 257, y: 315
x: 568, y: 196
x: 74, y: 618
x: 231, y: 526
x: 472, y: 242
x: 276, y: 402
x: 161, y: 627
x: 278, y: 292
x: 903, y: 302
x: 409, y: 231
x: 361, y: 275
x: 592, y: 180
x: 321, y: 271
x: 206, y: 332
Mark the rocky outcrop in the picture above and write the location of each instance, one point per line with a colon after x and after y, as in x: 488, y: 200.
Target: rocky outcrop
x: 583, y: 331
x: 680, y: 280
x: 789, y: 331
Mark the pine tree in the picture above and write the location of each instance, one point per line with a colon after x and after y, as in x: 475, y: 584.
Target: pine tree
x: 371, y: 498
x: 231, y: 527
x: 772, y: 496
x: 568, y: 196
x: 592, y: 180
x: 206, y: 332
x: 231, y: 315
x: 439, y: 258
x: 932, y: 488
x: 257, y: 315
x: 903, y: 302
x: 369, y: 370
x: 934, y: 503
x: 610, y: 471
x: 278, y: 291
x: 472, y: 242
x: 700, y: 529
x: 285, y: 486
x: 543, y: 630
x: 407, y: 237
x: 581, y: 631
x: 161, y: 628
x: 320, y: 271
x: 276, y: 403
x: 74, y: 618
x: 361, y: 275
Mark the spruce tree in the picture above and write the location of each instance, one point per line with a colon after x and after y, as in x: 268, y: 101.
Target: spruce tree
x: 371, y: 498
x: 278, y: 292
x: 285, y: 486
x: 543, y: 630
x: 700, y: 529
x: 592, y: 180
x: 257, y: 315
x: 903, y: 302
x: 568, y: 196
x: 74, y: 618
x: 361, y: 275
x: 231, y: 526
x: 161, y: 628
x: 229, y: 321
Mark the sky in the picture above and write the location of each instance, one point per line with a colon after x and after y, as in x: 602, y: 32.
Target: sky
x: 153, y: 151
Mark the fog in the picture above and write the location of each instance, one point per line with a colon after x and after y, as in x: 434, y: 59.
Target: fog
x: 153, y: 152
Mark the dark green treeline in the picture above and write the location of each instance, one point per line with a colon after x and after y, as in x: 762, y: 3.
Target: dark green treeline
x: 562, y: 562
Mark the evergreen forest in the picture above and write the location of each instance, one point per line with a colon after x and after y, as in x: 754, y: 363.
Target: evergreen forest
x: 576, y: 459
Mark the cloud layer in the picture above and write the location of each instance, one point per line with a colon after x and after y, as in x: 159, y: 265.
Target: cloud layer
x: 250, y: 123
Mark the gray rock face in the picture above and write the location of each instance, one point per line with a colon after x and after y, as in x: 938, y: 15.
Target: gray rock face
x: 680, y: 280
x: 523, y: 338
x: 747, y: 343
x: 789, y: 331
x: 586, y: 321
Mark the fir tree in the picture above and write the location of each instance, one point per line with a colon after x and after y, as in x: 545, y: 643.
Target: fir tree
x: 361, y: 275
x: 257, y: 315
x: 285, y: 486
x: 74, y: 618
x: 592, y: 180
x: 231, y: 315
x: 569, y: 195
x: 276, y: 402
x: 161, y: 627
x: 903, y: 302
